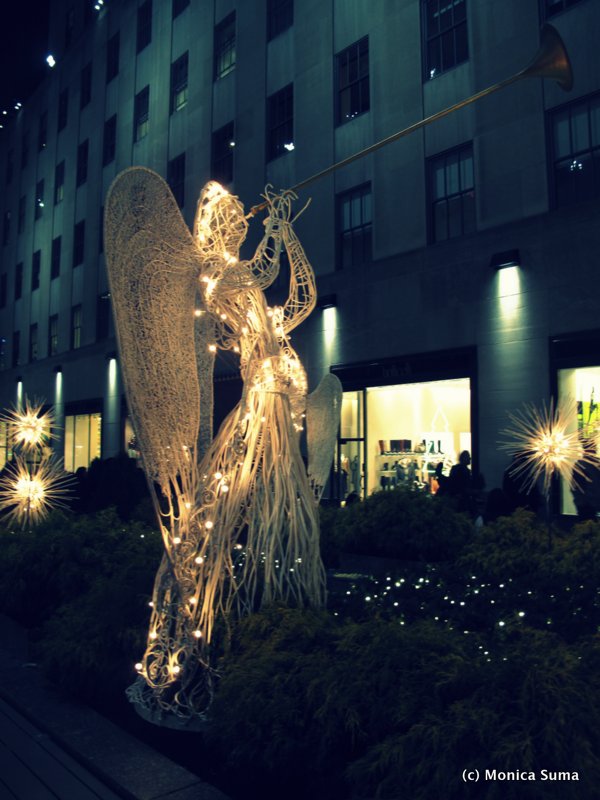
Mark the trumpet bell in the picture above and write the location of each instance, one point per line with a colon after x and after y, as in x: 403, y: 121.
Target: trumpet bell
x: 551, y: 60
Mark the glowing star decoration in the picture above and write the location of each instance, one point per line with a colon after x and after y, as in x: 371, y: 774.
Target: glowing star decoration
x: 29, y: 493
x: 545, y: 443
x: 238, y: 513
x: 30, y: 427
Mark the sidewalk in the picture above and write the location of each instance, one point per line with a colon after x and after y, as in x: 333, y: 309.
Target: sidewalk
x: 53, y: 749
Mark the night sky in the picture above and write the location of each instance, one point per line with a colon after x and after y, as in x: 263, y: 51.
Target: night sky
x: 23, y: 51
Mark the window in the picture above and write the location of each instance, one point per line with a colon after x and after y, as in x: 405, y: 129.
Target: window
x: 144, y: 25
x: 22, y: 212
x: 33, y: 342
x: 86, y: 85
x: 102, y: 316
x: 10, y: 165
x: 82, y: 162
x: 19, y: 281
x: 280, y: 122
x: 354, y: 222
x: 552, y: 7
x: 6, y: 228
x: 176, y: 178
x: 55, y: 258
x: 109, y: 144
x: 79, y: 243
x: 39, y: 199
x: 16, y: 348
x: 353, y: 81
x: 444, y: 25
x: 75, y: 327
x: 83, y: 436
x: 59, y: 183
x: 179, y: 83
x: 225, y: 46
x: 140, y: 114
x: 223, y: 144
x: 53, y: 335
x: 69, y: 26
x: 24, y: 149
x: 36, y: 262
x: 3, y: 290
x: 112, y: 57
x: 452, y: 194
x: 179, y: 6
x: 63, y: 109
x: 280, y: 17
x: 576, y: 151
x: 43, y: 131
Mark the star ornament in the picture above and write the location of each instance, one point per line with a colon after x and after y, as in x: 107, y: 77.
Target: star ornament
x: 30, y: 427
x: 28, y: 493
x: 546, y: 442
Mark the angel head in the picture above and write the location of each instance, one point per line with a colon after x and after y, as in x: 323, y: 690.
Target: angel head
x: 220, y: 226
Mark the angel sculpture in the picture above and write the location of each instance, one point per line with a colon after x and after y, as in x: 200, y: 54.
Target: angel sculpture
x: 238, y: 515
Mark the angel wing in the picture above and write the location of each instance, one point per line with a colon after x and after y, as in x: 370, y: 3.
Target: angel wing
x: 323, y: 410
x: 153, y: 269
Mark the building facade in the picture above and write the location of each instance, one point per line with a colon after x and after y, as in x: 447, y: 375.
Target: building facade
x: 456, y: 267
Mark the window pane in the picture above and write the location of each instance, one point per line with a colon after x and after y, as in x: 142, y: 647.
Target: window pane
x: 562, y: 139
x: 452, y: 185
x: 346, y: 225
x: 366, y: 208
x: 448, y: 57
x: 460, y: 11
x: 439, y: 180
x: 580, y: 129
x: 355, y: 215
x: 467, y: 180
x: 461, y: 51
x: 82, y: 441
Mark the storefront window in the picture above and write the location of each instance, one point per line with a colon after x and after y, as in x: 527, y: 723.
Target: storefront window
x: 583, y: 385
x: 5, y: 448
x: 411, y: 428
x: 132, y: 447
x: 83, y: 436
x: 350, y: 469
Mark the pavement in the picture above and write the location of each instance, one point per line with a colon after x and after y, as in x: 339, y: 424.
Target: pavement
x: 55, y: 749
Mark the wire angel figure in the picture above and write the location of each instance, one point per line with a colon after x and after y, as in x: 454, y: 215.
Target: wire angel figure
x: 239, y: 514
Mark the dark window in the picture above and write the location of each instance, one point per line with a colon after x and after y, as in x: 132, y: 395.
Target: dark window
x: 109, y: 144
x: 354, y: 223
x: 280, y: 17
x: 575, y: 133
x: 75, y: 327
x: 39, y: 199
x: 444, y: 26
x: 223, y: 145
x: 16, y: 348
x: 452, y: 194
x: 69, y: 26
x: 179, y: 83
x: 53, y: 335
x: 179, y: 6
x: 552, y: 7
x: 141, y: 114
x: 102, y: 316
x: 280, y: 122
x: 10, y: 165
x: 3, y: 290
x: 63, y: 109
x: 55, y: 260
x: 176, y: 178
x: 79, y: 243
x: 19, y: 281
x: 144, y: 25
x: 225, y: 46
x: 112, y: 57
x: 353, y: 81
x: 86, y: 85
x: 24, y: 149
x: 6, y: 227
x: 33, y: 342
x: 22, y: 212
x: 43, y: 131
x: 82, y: 162
x: 59, y: 183
x: 36, y: 263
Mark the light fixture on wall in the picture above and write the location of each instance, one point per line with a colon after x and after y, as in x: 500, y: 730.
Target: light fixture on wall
x: 505, y: 259
x: 327, y: 301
